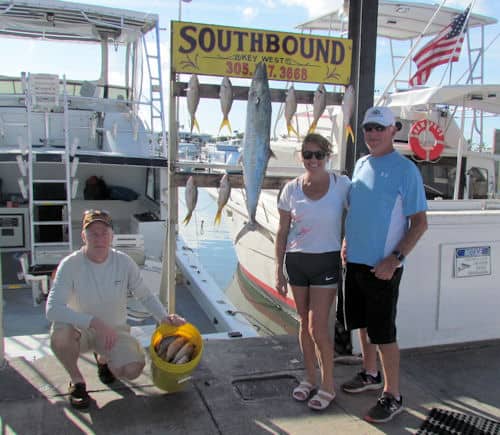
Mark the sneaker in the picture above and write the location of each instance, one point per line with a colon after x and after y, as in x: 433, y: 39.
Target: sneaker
x: 104, y: 373
x: 387, y: 407
x: 363, y: 382
x: 78, y: 396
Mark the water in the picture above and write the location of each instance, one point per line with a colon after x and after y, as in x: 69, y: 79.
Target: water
x: 215, y: 250
x: 211, y: 243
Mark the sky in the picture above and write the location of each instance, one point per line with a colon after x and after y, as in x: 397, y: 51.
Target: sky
x: 279, y: 15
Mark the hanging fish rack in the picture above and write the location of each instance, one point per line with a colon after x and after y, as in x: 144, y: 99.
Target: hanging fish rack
x: 196, y: 48
x: 241, y: 93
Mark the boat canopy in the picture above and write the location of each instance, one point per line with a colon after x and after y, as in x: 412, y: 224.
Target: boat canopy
x: 399, y: 20
x: 478, y: 97
x: 59, y: 20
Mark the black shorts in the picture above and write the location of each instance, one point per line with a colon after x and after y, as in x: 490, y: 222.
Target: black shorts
x: 319, y: 270
x: 371, y: 303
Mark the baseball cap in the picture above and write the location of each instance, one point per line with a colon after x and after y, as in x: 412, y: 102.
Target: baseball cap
x: 379, y: 115
x: 91, y: 216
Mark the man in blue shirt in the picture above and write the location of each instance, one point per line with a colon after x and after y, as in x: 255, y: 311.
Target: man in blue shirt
x: 385, y: 220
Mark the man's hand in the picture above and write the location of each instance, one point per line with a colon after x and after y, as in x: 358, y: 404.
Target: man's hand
x: 174, y: 320
x: 105, y: 333
x: 386, y: 268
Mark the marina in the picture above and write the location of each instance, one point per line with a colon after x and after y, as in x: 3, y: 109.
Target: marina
x: 70, y: 144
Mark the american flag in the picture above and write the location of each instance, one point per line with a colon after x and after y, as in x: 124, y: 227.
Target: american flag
x: 444, y: 48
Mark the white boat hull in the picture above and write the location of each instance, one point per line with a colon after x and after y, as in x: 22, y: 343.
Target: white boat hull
x: 441, y: 300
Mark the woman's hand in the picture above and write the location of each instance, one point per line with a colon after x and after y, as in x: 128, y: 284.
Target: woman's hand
x: 281, y: 283
x: 343, y: 252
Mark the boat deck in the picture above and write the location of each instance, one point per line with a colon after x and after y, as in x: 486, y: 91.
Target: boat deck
x: 243, y: 386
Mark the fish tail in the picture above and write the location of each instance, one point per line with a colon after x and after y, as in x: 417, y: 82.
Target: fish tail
x: 194, y: 123
x: 254, y: 226
x: 290, y: 129
x: 218, y: 217
x: 187, y: 218
x: 349, y: 133
x: 225, y: 122
x: 312, y: 127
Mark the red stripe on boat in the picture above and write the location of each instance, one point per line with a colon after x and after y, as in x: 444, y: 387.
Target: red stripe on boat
x: 290, y: 302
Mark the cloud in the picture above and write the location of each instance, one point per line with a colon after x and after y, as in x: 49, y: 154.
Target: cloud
x: 315, y: 7
x: 250, y: 13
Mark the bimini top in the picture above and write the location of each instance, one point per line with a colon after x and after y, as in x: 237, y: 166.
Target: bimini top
x: 54, y: 19
x: 399, y: 20
x: 478, y: 97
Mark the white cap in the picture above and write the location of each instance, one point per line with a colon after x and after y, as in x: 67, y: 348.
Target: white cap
x: 379, y: 115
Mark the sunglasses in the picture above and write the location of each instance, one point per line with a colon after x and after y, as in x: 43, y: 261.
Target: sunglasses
x: 376, y: 127
x: 307, y: 155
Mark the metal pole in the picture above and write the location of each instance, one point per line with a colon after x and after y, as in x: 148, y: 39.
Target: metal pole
x: 363, y: 32
x: 167, y: 286
x: 460, y: 153
x: 2, y: 348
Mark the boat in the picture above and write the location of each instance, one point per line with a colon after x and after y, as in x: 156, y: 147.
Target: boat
x: 447, y: 293
x: 82, y: 127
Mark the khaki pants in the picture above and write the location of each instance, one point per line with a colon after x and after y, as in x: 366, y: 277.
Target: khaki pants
x: 125, y: 351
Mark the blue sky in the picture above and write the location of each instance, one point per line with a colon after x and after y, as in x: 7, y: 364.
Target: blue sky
x: 282, y: 15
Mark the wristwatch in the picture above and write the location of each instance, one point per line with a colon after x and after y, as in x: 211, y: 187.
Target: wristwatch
x: 398, y: 255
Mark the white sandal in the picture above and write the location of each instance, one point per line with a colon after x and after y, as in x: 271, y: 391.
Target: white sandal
x: 302, y: 391
x: 321, y: 400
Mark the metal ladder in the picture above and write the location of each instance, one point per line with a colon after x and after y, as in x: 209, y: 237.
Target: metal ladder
x: 476, y: 77
x: 42, y: 96
x: 156, y: 88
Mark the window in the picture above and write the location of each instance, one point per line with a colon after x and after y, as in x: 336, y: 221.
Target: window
x: 477, y: 180
x: 153, y: 184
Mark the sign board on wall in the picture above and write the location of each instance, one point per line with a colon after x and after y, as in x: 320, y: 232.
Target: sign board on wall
x: 234, y: 52
x: 472, y: 261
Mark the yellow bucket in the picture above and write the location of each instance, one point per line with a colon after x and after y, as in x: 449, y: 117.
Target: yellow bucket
x: 173, y: 377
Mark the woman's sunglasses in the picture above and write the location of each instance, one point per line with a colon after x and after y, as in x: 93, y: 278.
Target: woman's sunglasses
x: 307, y: 155
x: 376, y: 127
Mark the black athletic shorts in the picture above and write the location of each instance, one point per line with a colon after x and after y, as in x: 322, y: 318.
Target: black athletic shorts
x: 318, y: 270
x: 371, y: 303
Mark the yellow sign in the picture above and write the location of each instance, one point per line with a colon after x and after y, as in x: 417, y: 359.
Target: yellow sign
x: 234, y: 52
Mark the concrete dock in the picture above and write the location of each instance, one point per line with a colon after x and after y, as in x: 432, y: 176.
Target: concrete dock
x: 243, y: 386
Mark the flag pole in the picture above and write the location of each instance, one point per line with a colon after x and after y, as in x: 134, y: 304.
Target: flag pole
x: 466, y: 24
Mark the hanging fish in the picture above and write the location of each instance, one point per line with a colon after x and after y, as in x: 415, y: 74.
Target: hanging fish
x: 319, y: 105
x: 224, y: 192
x: 193, y: 98
x: 226, y: 101
x: 191, y: 197
x: 290, y: 109
x: 348, y: 109
x: 256, y: 147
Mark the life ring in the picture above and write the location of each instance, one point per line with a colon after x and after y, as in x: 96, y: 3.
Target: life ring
x: 414, y: 139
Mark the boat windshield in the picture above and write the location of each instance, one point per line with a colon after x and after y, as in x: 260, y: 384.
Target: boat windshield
x: 80, y: 62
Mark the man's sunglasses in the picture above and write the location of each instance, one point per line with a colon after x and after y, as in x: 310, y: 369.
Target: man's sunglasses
x: 376, y: 127
x: 308, y: 155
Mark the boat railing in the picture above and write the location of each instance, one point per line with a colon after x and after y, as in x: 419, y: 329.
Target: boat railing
x: 114, y: 115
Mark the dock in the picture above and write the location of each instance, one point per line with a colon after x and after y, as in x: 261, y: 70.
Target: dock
x: 243, y: 386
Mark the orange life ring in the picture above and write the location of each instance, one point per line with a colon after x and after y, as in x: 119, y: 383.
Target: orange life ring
x: 413, y: 137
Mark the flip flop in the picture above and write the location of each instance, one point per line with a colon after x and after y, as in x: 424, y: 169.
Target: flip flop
x: 321, y: 400
x: 302, y: 391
